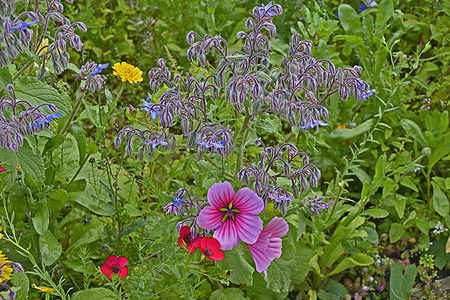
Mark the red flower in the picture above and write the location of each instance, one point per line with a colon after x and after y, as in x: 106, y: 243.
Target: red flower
x: 116, y: 265
x: 210, y: 248
x: 186, y: 241
x: 1, y: 168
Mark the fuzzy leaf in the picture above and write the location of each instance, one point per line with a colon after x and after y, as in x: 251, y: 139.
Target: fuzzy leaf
x: 50, y: 248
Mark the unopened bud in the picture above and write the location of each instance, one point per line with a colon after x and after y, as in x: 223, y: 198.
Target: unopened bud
x: 140, y: 153
x: 295, y: 191
x: 129, y: 150
x: 426, y: 151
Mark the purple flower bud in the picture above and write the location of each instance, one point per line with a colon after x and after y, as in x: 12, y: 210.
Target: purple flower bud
x: 191, y: 139
x: 4, y: 61
x: 190, y: 38
x: 295, y: 191
x: 129, y: 150
x: 140, y: 153
x: 18, y: 267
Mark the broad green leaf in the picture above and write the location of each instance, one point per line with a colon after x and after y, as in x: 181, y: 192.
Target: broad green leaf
x: 396, y: 232
x: 20, y: 280
x: 400, y: 286
x: 80, y: 136
x: 358, y: 259
x: 385, y: 12
x: 270, y: 124
x: 440, y: 200
x: 94, y: 294
x: 336, y: 290
x: 375, y: 213
x: 37, y: 92
x: 303, y: 256
x: 88, y: 237
x: 241, y: 272
x: 5, y: 78
x: 279, y: 275
x: 413, y: 129
x: 350, y: 133
x: 406, y: 181
x: 53, y: 143
x: 301, y: 225
x: 56, y: 200
x: 423, y: 225
x: 227, y: 294
x: 400, y: 205
x: 372, y: 235
x: 92, y: 203
x: 332, y: 253
x: 350, y: 20
x: 361, y: 174
x: 441, y: 149
x: 30, y: 161
x: 41, y: 219
x: 50, y: 248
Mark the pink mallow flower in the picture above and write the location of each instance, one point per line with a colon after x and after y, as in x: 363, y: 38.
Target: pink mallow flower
x: 234, y: 214
x: 268, y: 245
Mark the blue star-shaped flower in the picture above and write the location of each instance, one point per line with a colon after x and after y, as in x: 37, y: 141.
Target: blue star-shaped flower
x: 363, y: 7
x: 209, y: 144
x: 99, y: 69
x: 148, y: 107
x: 264, y: 9
x: 23, y: 25
x: 366, y: 94
x: 48, y: 120
x: 86, y: 220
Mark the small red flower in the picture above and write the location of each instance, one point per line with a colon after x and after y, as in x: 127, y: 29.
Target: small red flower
x: 1, y: 168
x: 210, y: 248
x: 116, y: 265
x: 186, y: 239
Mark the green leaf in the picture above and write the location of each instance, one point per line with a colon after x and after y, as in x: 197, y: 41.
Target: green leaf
x: 406, y: 181
x: 20, y: 281
x: 301, y: 225
x: 30, y: 161
x: 413, y: 129
x: 5, y: 78
x: 372, y: 235
x: 37, y: 92
x: 302, y: 258
x: 350, y: 133
x: 423, y: 225
x: 88, y: 237
x: 41, y: 219
x: 361, y: 174
x: 332, y: 253
x: 53, y: 143
x: 441, y: 149
x: 385, y: 12
x: 375, y: 213
x: 80, y: 136
x: 91, y: 202
x: 227, y: 294
x: 56, y: 200
x: 400, y: 205
x: 358, y: 259
x: 270, y: 124
x: 279, y: 275
x: 350, y: 20
x: 241, y: 272
x: 396, y: 232
x: 94, y: 294
x: 440, y: 200
x: 50, y: 248
x: 400, y: 286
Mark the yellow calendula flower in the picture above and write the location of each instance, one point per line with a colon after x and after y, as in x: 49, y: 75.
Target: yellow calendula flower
x: 43, y: 47
x: 43, y: 288
x: 6, y: 269
x: 127, y: 72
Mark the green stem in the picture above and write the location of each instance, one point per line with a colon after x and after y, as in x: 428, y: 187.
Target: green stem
x: 243, y: 131
x: 74, y: 113
x: 218, y: 166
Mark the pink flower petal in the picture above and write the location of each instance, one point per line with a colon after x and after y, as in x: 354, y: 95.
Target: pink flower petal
x: 247, y: 201
x: 210, y: 217
x: 111, y: 260
x: 105, y: 269
x: 277, y: 227
x: 227, y: 235
x: 248, y: 227
x: 220, y: 194
x: 122, y: 261
x: 261, y: 256
x: 123, y: 272
x: 275, y: 245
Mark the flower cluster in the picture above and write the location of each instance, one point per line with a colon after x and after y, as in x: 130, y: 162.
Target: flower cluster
x: 6, y: 269
x: 287, y: 162
x: 17, y: 34
x: 16, y: 121
x: 91, y: 73
x: 316, y: 205
x: 209, y: 247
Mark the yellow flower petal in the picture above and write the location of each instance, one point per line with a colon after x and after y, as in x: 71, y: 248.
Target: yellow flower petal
x: 127, y: 72
x: 42, y: 288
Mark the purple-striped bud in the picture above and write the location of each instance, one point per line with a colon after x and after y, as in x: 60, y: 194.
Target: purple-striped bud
x: 4, y: 61
x: 140, y: 154
x: 129, y: 150
x: 295, y: 191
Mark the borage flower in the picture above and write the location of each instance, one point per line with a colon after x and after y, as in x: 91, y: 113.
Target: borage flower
x: 313, y: 124
x: 99, y: 69
x: 48, y: 119
x: 210, y: 248
x: 149, y: 108
x: 236, y: 214
x: 171, y: 208
x: 268, y: 246
x: 187, y: 241
x: 116, y: 265
x: 127, y: 72
x: 262, y: 10
x: 22, y: 25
